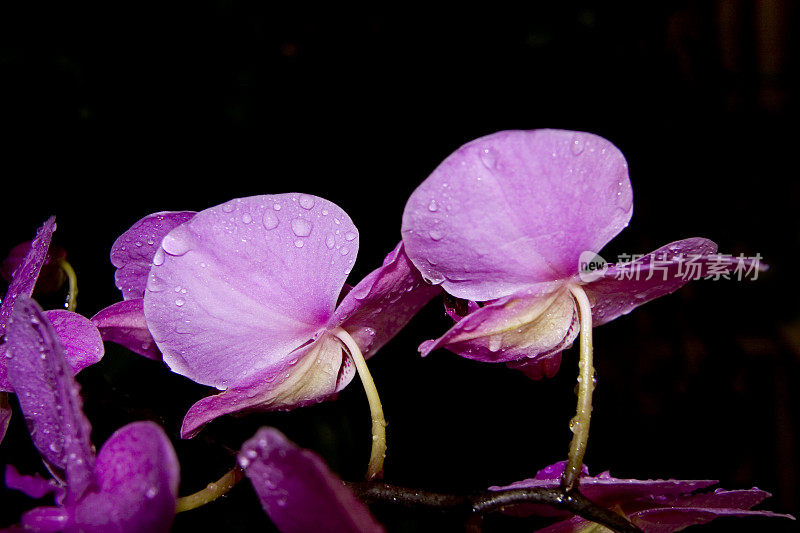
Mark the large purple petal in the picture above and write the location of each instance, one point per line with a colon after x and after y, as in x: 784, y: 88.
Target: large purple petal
x: 522, y: 327
x: 26, y: 274
x: 383, y: 302
x: 78, y: 336
x: 309, y: 375
x: 298, y: 491
x: 243, y: 284
x: 516, y: 208
x: 138, y: 475
x: 124, y: 323
x: 48, y: 395
x: 625, y: 286
x: 132, y: 253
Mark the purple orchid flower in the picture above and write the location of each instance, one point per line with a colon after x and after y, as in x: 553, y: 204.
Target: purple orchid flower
x: 298, y: 491
x: 506, y: 220
x: 130, y: 486
x: 249, y: 297
x: 655, y: 506
x: 80, y: 339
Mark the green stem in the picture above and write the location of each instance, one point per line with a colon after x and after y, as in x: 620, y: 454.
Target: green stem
x: 580, y: 423
x: 212, y: 491
x: 378, y: 453
x: 72, y: 295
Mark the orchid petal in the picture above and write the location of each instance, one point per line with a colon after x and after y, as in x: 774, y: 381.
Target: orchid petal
x: 237, y: 288
x: 34, y: 486
x: 124, y: 323
x: 524, y: 326
x: 46, y: 520
x: 383, y: 302
x: 669, y: 519
x: 133, y: 251
x: 310, y: 375
x: 48, y: 395
x: 138, y: 475
x: 625, y: 286
x: 516, y: 208
x: 537, y: 369
x: 26, y: 274
x: 80, y: 339
x: 298, y: 491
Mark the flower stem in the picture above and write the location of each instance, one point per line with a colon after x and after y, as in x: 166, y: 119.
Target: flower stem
x: 378, y: 453
x: 580, y: 423
x: 72, y: 295
x: 212, y: 491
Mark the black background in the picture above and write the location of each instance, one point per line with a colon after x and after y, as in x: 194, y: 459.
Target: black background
x: 115, y: 111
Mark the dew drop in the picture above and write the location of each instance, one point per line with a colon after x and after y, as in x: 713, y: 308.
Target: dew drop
x: 270, y: 220
x: 298, y: 243
x: 306, y: 201
x: 433, y: 206
x: 158, y: 259
x: 344, y: 250
x: 577, y: 146
x: 276, y: 207
x: 489, y: 158
x: 176, y: 242
x: 435, y: 235
x: 301, y: 227
x: 179, y: 302
x: 246, y: 218
x: 330, y: 242
x: 350, y: 236
x: 228, y: 207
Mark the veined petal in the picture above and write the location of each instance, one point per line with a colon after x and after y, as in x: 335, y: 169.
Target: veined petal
x: 516, y: 208
x: 309, y: 375
x: 521, y: 327
x: 78, y: 336
x: 124, y: 323
x: 298, y: 491
x: 48, y: 396
x: 244, y: 284
x: 625, y: 286
x: 133, y: 252
x: 26, y: 274
x: 138, y: 475
x: 383, y: 302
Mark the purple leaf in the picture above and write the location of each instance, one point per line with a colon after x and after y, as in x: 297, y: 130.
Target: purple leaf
x: 298, y: 491
x: 48, y: 395
x: 132, y: 253
x: 656, y: 506
x: 124, y: 323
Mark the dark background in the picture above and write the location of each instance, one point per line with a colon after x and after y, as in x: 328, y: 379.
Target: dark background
x: 115, y: 111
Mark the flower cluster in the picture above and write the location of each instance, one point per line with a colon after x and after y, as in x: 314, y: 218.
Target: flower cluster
x: 250, y: 298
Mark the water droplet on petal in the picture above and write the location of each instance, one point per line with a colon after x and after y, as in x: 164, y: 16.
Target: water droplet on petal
x: 489, y: 158
x: 306, y: 201
x: 330, y: 241
x: 179, y: 302
x: 246, y: 218
x: 158, y: 259
x: 435, y: 235
x: 276, y: 207
x: 270, y: 220
x: 229, y: 206
x: 577, y: 146
x: 298, y: 243
x: 350, y: 236
x: 301, y: 227
x: 176, y: 242
x: 433, y: 206
x: 343, y: 250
